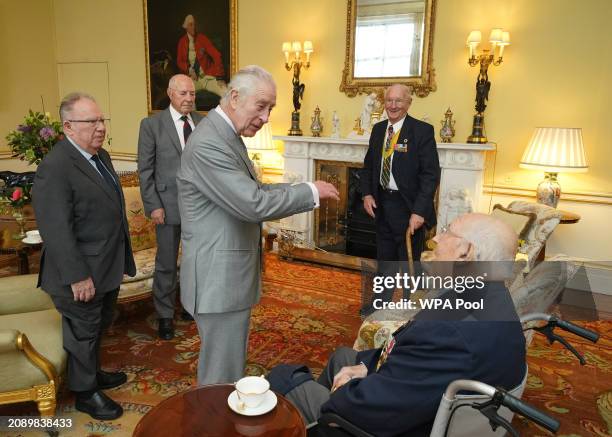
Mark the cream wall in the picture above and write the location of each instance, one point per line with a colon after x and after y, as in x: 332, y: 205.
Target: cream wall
x: 27, y: 64
x: 555, y: 73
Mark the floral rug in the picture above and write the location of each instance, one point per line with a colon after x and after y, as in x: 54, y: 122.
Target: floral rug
x: 306, y: 312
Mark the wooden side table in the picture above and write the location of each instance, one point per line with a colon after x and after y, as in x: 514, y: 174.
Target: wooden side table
x: 203, y: 411
x: 10, y: 246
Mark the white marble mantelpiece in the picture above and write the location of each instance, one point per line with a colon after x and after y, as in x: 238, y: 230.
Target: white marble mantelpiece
x: 461, y: 180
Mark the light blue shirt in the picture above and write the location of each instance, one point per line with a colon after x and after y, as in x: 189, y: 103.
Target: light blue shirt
x: 88, y: 157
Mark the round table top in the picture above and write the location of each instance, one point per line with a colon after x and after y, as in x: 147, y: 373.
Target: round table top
x: 203, y: 411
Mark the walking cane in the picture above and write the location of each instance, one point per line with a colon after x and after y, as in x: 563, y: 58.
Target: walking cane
x: 409, y: 249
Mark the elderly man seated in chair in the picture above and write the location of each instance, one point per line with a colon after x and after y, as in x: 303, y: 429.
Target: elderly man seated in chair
x: 396, y: 390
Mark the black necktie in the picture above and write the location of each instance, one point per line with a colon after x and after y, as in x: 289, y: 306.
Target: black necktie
x: 186, y: 128
x: 105, y: 174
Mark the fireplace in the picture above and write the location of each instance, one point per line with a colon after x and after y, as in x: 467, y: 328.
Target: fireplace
x: 343, y: 226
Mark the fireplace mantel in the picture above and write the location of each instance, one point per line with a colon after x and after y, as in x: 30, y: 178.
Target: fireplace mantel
x: 461, y: 181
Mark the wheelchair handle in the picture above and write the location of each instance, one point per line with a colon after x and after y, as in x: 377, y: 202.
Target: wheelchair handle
x: 528, y: 411
x: 566, y: 326
x: 507, y: 399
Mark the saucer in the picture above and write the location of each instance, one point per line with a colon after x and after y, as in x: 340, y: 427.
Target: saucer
x: 28, y: 240
x: 267, y: 405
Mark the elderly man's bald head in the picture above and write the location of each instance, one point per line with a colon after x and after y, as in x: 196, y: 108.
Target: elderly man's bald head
x: 181, y: 92
x: 479, y: 237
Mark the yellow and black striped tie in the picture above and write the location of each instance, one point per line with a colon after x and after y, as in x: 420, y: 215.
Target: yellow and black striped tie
x: 385, y: 175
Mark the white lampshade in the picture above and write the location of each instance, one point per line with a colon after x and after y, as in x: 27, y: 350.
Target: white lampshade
x: 555, y: 150
x: 262, y: 139
x: 296, y: 46
x: 286, y: 47
x: 505, y: 39
x: 308, y: 47
x: 474, y: 38
x: 496, y: 35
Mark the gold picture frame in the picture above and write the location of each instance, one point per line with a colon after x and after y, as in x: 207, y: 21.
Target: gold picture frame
x: 421, y: 85
x: 216, y: 20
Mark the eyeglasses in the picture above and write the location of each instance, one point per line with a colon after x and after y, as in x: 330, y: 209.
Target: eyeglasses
x: 91, y: 122
x: 446, y: 230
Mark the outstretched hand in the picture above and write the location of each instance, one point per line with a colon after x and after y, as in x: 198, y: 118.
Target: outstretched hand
x: 327, y: 190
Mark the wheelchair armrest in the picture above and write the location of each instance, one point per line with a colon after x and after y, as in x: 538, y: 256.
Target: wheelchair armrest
x: 331, y: 419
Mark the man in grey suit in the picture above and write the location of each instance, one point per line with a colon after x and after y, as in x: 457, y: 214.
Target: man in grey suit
x: 222, y: 207
x: 80, y: 211
x: 161, y: 142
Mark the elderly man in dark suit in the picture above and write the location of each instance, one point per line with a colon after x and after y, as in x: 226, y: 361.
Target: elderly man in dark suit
x: 80, y: 211
x: 396, y: 389
x: 400, y: 175
x: 161, y: 142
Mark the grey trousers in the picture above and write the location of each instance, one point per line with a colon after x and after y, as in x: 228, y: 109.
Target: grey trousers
x: 224, y: 339
x: 164, y: 280
x: 310, y: 396
x: 82, y: 327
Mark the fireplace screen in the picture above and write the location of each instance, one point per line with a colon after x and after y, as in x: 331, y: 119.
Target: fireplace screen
x: 342, y: 226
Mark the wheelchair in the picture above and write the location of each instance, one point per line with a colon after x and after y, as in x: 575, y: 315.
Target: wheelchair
x: 491, y: 409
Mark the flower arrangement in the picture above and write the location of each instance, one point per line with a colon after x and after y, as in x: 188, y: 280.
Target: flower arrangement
x: 18, y: 197
x: 33, y: 139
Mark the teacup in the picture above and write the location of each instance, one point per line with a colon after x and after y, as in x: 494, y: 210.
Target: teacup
x: 252, y: 390
x: 33, y: 235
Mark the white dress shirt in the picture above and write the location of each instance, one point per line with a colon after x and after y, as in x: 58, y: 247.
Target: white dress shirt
x: 178, y: 123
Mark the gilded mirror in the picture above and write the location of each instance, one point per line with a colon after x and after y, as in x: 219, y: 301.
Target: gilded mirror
x: 389, y: 41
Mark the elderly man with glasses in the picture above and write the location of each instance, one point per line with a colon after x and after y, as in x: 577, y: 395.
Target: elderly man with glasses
x: 80, y: 211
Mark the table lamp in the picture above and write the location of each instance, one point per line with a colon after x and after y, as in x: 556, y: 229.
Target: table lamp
x: 255, y: 145
x: 554, y: 150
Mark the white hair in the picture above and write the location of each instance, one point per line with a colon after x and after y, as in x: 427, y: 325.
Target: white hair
x: 246, y: 80
x: 188, y: 18
x: 68, y: 102
x: 493, y: 240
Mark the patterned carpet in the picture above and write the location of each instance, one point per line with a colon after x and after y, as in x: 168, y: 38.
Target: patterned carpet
x: 304, y: 314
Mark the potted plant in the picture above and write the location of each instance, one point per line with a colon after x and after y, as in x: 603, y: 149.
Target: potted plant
x: 33, y: 139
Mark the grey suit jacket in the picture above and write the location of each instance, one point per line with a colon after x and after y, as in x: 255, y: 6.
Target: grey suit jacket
x: 222, y: 207
x: 159, y: 158
x: 82, y: 223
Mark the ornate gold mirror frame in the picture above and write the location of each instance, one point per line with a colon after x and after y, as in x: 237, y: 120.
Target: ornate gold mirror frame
x: 421, y: 85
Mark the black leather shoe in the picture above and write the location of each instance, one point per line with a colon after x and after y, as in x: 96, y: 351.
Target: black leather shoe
x: 98, y: 405
x: 108, y: 380
x: 165, y: 329
x: 186, y: 316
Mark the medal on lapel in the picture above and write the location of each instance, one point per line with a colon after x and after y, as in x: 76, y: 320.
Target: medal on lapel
x: 402, y: 147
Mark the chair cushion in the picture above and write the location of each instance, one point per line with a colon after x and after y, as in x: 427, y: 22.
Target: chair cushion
x: 19, y: 294
x: 44, y: 330
x: 133, y: 290
x: 145, y: 265
x: 142, y: 229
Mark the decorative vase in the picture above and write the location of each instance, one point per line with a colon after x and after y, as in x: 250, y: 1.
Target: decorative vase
x: 20, y: 219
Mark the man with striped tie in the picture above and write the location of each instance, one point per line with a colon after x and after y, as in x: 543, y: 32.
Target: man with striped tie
x: 161, y: 142
x: 400, y: 175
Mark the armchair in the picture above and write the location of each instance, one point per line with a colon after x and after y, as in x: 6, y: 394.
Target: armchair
x: 32, y: 358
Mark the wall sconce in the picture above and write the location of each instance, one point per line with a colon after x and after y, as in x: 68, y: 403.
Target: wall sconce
x: 554, y: 150
x: 256, y: 145
x: 499, y: 39
x: 296, y: 64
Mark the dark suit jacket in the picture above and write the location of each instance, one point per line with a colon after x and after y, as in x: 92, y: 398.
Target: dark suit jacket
x: 82, y: 223
x: 402, y: 397
x: 159, y: 158
x: 416, y: 172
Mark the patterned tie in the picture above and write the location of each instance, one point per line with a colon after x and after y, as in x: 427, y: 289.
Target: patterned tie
x: 186, y: 128
x: 105, y: 174
x: 385, y: 175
